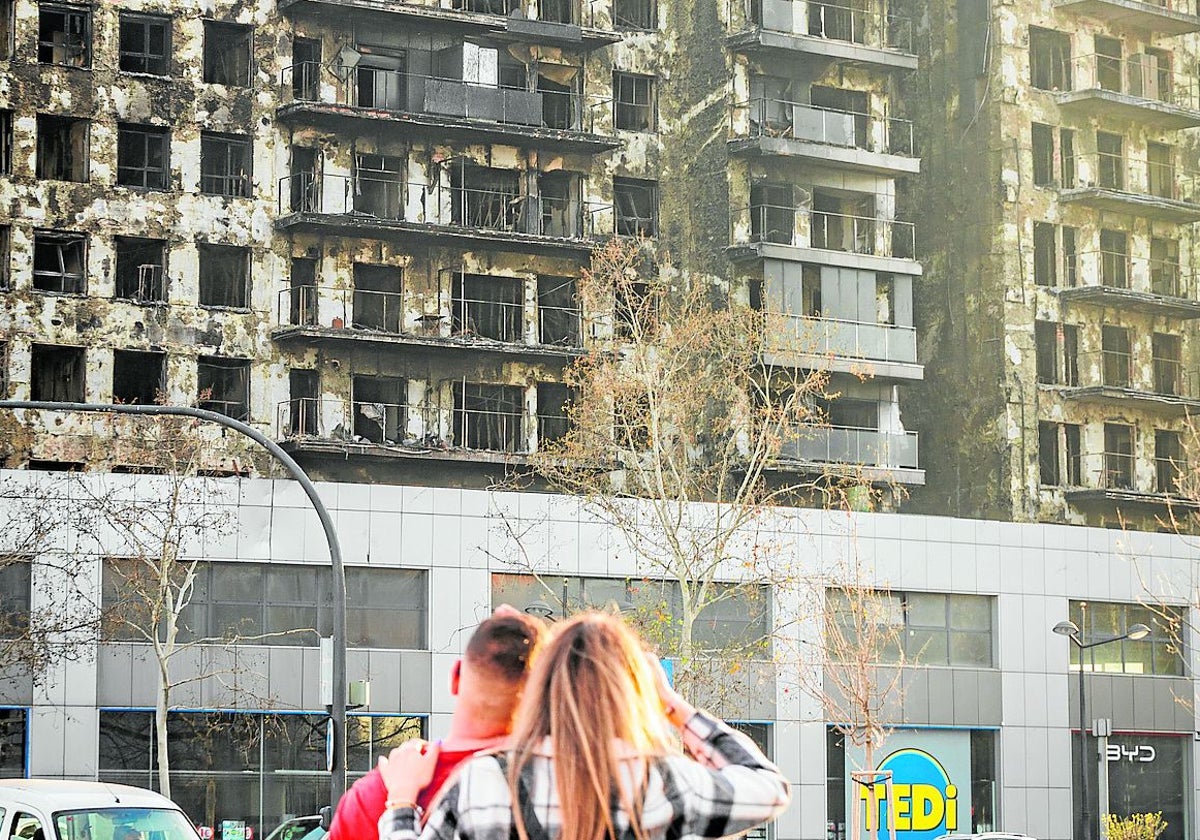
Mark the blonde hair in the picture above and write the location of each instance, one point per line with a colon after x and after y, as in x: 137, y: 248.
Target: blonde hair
x: 592, y: 693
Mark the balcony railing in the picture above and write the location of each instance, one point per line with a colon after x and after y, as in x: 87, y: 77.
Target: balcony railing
x: 499, y: 208
x: 415, y: 93
x: 1167, y: 377
x: 855, y: 339
x: 1136, y: 176
x: 804, y: 227
x: 1141, y: 76
x: 769, y: 117
x: 862, y: 23
x: 846, y: 445
x: 1118, y: 270
x: 1171, y: 476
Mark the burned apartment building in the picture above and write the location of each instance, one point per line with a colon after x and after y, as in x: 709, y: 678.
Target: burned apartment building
x: 361, y: 227
x: 1059, y: 305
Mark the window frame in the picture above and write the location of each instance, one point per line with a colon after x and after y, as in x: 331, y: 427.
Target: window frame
x: 1161, y: 638
x: 68, y: 170
x: 150, y: 60
x: 624, y: 81
x: 147, y: 133
x: 221, y: 368
x: 237, y: 181
x: 80, y: 283
x: 237, y: 299
x: 218, y: 38
x: 69, y: 11
x: 635, y: 225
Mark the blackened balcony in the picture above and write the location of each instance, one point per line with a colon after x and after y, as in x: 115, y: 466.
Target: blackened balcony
x: 1164, y: 17
x: 1153, y: 286
x: 1140, y: 88
x: 1114, y: 377
x: 771, y: 127
x: 877, y: 455
x: 1151, y: 189
x: 1114, y: 478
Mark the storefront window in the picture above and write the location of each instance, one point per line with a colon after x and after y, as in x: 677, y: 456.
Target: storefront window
x: 1159, y: 653
x: 12, y: 742
x: 1146, y: 773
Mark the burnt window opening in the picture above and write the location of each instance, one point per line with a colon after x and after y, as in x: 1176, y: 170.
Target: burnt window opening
x: 772, y: 213
x: 485, y: 306
x: 224, y: 276
x: 485, y: 197
x: 6, y: 141
x: 3, y: 369
x: 62, y: 148
x: 635, y: 310
x: 843, y: 222
x: 633, y: 101
x: 145, y: 44
x: 1045, y: 254
x: 1070, y: 256
x: 1118, y: 456
x: 1110, y: 164
x: 5, y: 257
x: 57, y: 373
x: 636, y: 207
x: 1109, y: 63
x: 379, y: 185
x: 380, y: 78
x: 139, y: 376
x: 224, y: 386
x: 1169, y: 463
x: 141, y: 269
x: 1049, y: 59
x: 304, y: 393
x: 1160, y: 170
x: 60, y: 262
x: 64, y: 35
x: 1045, y: 337
x: 46, y: 465
x: 558, y: 311
x: 1167, y: 355
x: 380, y: 414
x: 306, y: 69
x: 1048, y: 453
x: 559, y: 11
x: 225, y: 166
x: 1114, y: 259
x: 1066, y: 153
x: 227, y: 52
x: 562, y: 207
x: 1060, y: 458
x: 8, y: 41
x: 302, y: 301
x: 1116, y: 356
x: 559, y: 86
x: 1043, y: 155
x: 489, y: 417
x: 1165, y: 274
x: 631, y: 421
x: 143, y: 156
x: 847, y: 128
x: 378, y: 297
x: 487, y: 7
x: 635, y: 14
x: 304, y: 186
x: 553, y: 400
x: 1070, y: 353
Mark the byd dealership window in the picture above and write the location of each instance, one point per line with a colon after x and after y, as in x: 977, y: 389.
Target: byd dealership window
x: 1146, y: 773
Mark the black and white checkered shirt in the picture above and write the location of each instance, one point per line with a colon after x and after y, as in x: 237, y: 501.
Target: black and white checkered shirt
x: 727, y: 787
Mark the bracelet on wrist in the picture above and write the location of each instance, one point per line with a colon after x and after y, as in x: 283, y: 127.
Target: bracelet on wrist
x: 393, y: 804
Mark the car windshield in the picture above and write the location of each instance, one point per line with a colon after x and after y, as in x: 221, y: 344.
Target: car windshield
x: 124, y: 824
x: 302, y: 829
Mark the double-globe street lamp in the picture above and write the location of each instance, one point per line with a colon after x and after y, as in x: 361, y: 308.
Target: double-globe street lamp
x: 1071, y: 631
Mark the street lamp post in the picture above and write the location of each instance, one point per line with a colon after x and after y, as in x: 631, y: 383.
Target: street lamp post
x: 1071, y: 631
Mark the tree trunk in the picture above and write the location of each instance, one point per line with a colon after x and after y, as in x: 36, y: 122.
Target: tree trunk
x: 162, y: 703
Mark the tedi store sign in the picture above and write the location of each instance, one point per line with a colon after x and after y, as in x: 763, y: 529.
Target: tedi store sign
x: 931, y: 785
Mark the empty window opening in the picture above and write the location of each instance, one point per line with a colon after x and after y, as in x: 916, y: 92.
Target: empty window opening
x: 7, y: 28
x: 635, y: 14
x: 843, y: 222
x: 1045, y: 254
x: 562, y: 207
x: 846, y: 128
x: 487, y: 7
x: 380, y: 78
x: 1059, y: 457
x: 1070, y: 352
x: 489, y: 417
x: 6, y: 141
x: 64, y: 35
x: 1043, y: 155
x: 5, y: 262
x: 4, y: 370
x: 1118, y: 456
x: 772, y: 213
x: 380, y: 408
x: 57, y: 373
x: 1167, y: 352
x: 553, y: 401
x: 1109, y: 64
x: 1117, y: 359
x: 143, y: 157
x: 304, y: 185
x: 379, y: 185
x: 840, y: 20
x: 485, y: 197
x: 62, y: 148
x: 377, y: 297
x: 1110, y: 152
x: 304, y: 393
x: 306, y: 68
x: 633, y: 101
x: 636, y: 207
x: 225, y: 165
x: 224, y: 386
x: 558, y: 85
x: 558, y: 311
x: 60, y: 262
x: 1165, y: 276
x: 145, y: 44
x: 559, y: 11
x: 141, y: 269
x: 45, y: 465
x: 1070, y: 257
x: 1160, y: 170
x: 1151, y: 75
x: 511, y: 73
x: 1046, y: 343
x: 489, y: 307
x: 227, y: 51
x: 224, y: 275
x: 1114, y: 259
x: 850, y: 413
x: 302, y: 300
x: 1048, y: 453
x: 1169, y: 464
x: 139, y: 377
x: 1049, y: 59
x: 635, y: 310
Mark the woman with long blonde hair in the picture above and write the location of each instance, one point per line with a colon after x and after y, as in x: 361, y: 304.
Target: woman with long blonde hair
x: 590, y: 758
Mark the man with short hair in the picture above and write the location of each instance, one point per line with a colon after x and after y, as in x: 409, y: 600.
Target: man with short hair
x: 486, y: 683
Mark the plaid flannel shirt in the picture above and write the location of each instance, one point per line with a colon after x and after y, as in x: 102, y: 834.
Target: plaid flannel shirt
x: 727, y: 787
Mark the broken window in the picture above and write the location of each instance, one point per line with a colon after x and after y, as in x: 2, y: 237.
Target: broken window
x: 3, y: 370
x: 1152, y: 76
x: 1045, y: 254
x: 839, y: 20
x: 487, y: 7
x: 57, y: 373
x: 1070, y: 257
x: 62, y: 148
x: 635, y: 204
x: 1066, y: 151
x: 1110, y: 153
x: 562, y: 207
x: 6, y: 141
x: 489, y: 417
x: 488, y: 307
x: 1114, y: 259
x: 1160, y: 170
x: 558, y: 86
x: 559, y: 11
x: 306, y: 68
x: 5, y: 259
x: 1070, y: 344
x: 1109, y: 64
x: 635, y: 14
x: 1118, y: 456
x: 486, y: 197
x: 843, y: 222
x: 379, y: 408
x: 1045, y: 335
x: 635, y: 309
x: 846, y: 127
x: 60, y: 262
x: 304, y: 393
x: 1073, y: 454
x: 143, y: 156
x: 1059, y: 456
x: 553, y: 401
x: 1164, y: 267
x: 1043, y: 155
x: 377, y: 297
x: 145, y: 44
x: 302, y: 303
x: 558, y: 311
x: 141, y: 272
x: 304, y: 185
x: 227, y: 53
x: 633, y: 101
x: 224, y: 275
x: 1169, y: 465
x: 138, y: 376
x: 7, y: 29
x: 378, y: 185
x: 1117, y: 359
x: 772, y: 213
x: 225, y: 164
x: 1048, y: 453
x: 1049, y: 59
x: 1167, y: 352
x: 224, y: 386
x: 64, y: 35
x: 379, y: 78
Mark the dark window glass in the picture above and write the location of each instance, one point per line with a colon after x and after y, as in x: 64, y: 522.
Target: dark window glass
x: 145, y: 44
x: 143, y: 156
x: 225, y: 165
x: 141, y: 269
x: 62, y: 148
x: 227, y: 53
x: 224, y: 275
x: 60, y: 262
x: 64, y: 35
x: 636, y: 207
x: 224, y: 386
x: 57, y: 373
x: 13, y: 726
x: 633, y: 97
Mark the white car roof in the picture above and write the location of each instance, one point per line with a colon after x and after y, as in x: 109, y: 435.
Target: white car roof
x: 52, y: 795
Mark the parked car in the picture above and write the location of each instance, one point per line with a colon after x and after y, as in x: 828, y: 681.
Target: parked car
x: 56, y: 809
x: 314, y: 827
